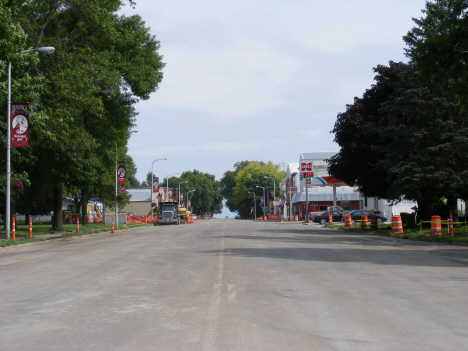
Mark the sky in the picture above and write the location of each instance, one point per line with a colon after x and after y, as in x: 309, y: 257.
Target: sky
x: 258, y: 80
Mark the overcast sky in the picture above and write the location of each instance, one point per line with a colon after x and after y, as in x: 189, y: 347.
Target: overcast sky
x: 259, y: 80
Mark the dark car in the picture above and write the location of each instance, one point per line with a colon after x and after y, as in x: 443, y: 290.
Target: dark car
x: 356, y: 215
x: 324, y: 217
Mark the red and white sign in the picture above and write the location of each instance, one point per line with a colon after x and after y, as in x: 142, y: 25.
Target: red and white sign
x: 189, y: 203
x: 306, y: 167
x: 155, y: 185
x: 181, y: 197
x: 272, y: 194
x: 121, y: 173
x: 261, y: 201
x: 122, y: 190
x: 19, y: 124
x: 308, y: 181
x: 169, y: 193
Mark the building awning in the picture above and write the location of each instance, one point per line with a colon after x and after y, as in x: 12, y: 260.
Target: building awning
x: 325, y: 196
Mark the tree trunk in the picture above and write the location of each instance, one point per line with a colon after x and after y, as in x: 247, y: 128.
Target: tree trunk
x: 84, y: 207
x: 423, y: 210
x: 57, y: 218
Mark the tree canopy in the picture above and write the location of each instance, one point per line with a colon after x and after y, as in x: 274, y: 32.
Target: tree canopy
x: 244, y: 179
x: 82, y: 96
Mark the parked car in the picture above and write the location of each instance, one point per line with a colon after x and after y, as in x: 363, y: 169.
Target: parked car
x: 356, y: 215
x: 324, y: 217
x: 194, y: 216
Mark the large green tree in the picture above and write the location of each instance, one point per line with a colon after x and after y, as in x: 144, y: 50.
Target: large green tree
x: 438, y: 44
x: 103, y: 64
x: 247, y: 179
x: 404, y: 138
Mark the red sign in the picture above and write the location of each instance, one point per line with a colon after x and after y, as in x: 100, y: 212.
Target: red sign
x: 19, y: 124
x: 169, y: 193
x: 331, y: 180
x: 122, y: 190
x: 306, y: 167
x: 155, y: 184
x: 121, y: 173
x: 189, y: 203
x: 181, y: 197
x: 272, y: 194
x: 261, y: 201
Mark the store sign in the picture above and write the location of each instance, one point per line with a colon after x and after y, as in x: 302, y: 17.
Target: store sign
x: 307, y: 175
x: 306, y: 167
x: 121, y: 173
x: 19, y: 124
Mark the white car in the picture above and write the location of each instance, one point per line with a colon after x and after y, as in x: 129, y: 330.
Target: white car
x: 194, y: 216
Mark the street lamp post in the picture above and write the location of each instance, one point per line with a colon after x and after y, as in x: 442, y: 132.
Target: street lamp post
x: 188, y: 192
x: 167, y: 185
x: 255, y: 203
x: 151, y: 197
x: 178, y: 194
x: 49, y: 50
x: 264, y: 202
x: 274, y: 192
x: 116, y: 192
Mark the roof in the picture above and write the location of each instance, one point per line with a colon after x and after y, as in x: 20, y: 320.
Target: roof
x: 321, y: 155
x: 140, y: 194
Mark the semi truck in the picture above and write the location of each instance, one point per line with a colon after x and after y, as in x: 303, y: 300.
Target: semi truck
x: 169, y: 213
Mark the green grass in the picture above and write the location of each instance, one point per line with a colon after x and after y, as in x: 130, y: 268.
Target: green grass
x: 22, y: 231
x: 460, y: 233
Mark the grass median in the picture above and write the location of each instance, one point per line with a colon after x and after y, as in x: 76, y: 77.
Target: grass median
x: 43, y: 231
x: 460, y: 232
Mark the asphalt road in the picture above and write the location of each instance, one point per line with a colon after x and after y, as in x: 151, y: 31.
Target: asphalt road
x: 234, y: 285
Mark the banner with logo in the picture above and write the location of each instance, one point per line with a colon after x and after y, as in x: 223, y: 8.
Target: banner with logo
x: 122, y: 190
x: 121, y: 173
x: 261, y: 201
x: 155, y: 185
x: 181, y: 197
x: 169, y: 193
x: 189, y: 204
x: 19, y: 124
x: 272, y: 195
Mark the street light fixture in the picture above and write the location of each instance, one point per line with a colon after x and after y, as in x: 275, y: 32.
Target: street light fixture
x: 178, y: 194
x: 47, y: 49
x: 151, y: 186
x: 264, y: 202
x: 167, y: 185
x: 255, y: 203
x: 188, y: 192
x: 274, y: 191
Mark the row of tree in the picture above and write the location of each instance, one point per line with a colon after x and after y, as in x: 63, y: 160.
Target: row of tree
x: 81, y: 97
x: 237, y: 186
x: 408, y: 134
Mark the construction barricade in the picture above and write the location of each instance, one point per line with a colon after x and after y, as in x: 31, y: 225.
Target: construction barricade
x: 296, y: 218
x: 330, y: 217
x: 364, y: 222
x: 436, y: 225
x: 397, y: 225
x: 348, y: 222
x: 373, y: 222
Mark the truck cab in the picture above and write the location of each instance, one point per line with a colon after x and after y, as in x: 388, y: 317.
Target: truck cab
x: 168, y: 213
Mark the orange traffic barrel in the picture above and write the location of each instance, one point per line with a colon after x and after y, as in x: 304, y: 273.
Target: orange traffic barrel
x: 364, y: 222
x: 397, y: 225
x: 347, y: 221
x: 330, y: 217
x: 296, y: 218
x: 451, y: 224
x: 436, y: 225
x: 373, y: 222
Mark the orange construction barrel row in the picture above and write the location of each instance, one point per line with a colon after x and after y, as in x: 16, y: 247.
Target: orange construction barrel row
x: 436, y: 225
x: 397, y: 225
x: 347, y: 221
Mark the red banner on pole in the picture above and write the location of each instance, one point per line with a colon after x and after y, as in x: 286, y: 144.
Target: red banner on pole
x: 121, y: 173
x: 261, y: 201
x: 181, y: 197
x: 19, y: 124
x: 155, y: 185
x: 122, y: 190
x: 169, y: 192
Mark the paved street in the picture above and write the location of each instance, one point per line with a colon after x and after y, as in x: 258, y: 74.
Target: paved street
x: 234, y: 285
